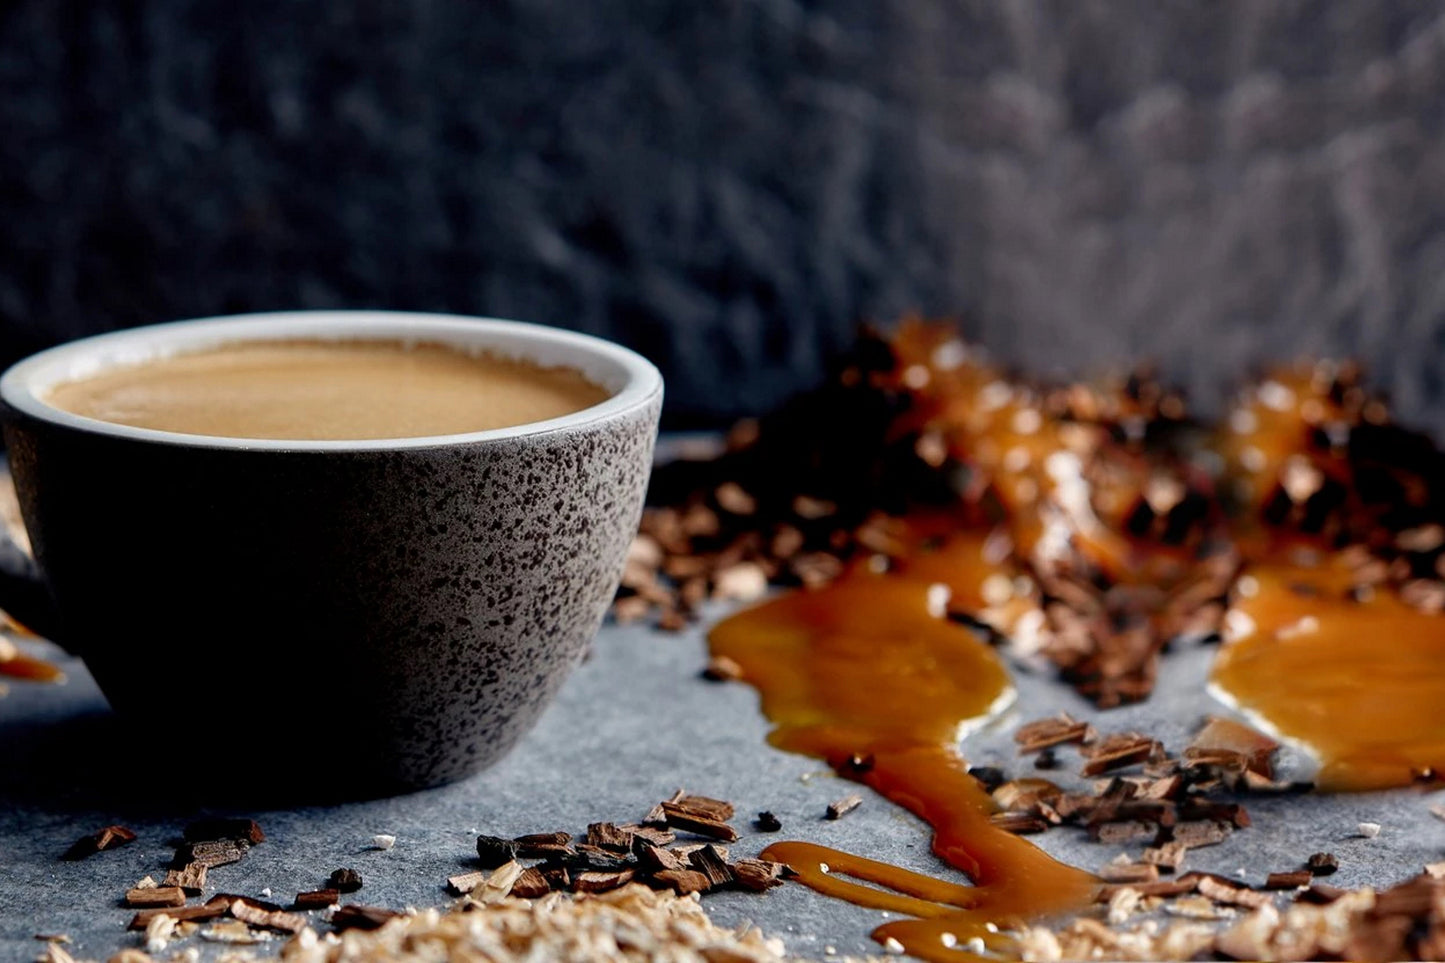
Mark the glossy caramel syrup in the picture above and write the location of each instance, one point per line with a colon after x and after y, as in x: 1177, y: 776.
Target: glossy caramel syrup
x: 1361, y: 682
x: 29, y: 668
x: 870, y: 668
x: 1313, y: 649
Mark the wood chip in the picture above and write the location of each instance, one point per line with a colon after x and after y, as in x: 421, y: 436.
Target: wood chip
x: 1195, y: 835
x: 344, y: 880
x: 152, y: 896
x: 206, y: 911
x: 1046, y: 733
x: 1129, y: 873
x: 1195, y: 808
x: 1126, y: 831
x: 844, y: 806
x: 595, y: 857
x: 192, y: 878
x: 703, y: 806
x: 97, y: 842
x: 597, y: 882
x: 322, y: 898
x: 1164, y: 787
x: 493, y: 851
x: 1021, y: 823
x: 1254, y: 749
x: 542, y: 845
x: 498, y: 883
x: 689, y: 821
x: 209, y: 830
x: 226, y: 899
x: 1227, y: 891
x: 1167, y: 887
x: 1119, y: 751
x: 758, y: 874
x: 463, y: 883
x: 1320, y: 894
x: 354, y: 916
x: 1168, y: 857
x: 655, y: 859
x: 210, y: 853
x: 683, y: 881
x: 650, y: 834
x: 279, y: 920
x: 712, y: 863
x: 609, y: 836
x: 55, y: 953
x: 1198, y: 908
x: 531, y: 884
x: 1293, y: 879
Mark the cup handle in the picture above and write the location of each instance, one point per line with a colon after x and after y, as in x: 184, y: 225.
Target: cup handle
x: 23, y: 593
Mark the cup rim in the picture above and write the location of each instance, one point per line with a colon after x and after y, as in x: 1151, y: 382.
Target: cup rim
x: 632, y: 379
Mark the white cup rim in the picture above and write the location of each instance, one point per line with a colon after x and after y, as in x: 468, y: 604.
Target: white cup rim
x: 631, y: 378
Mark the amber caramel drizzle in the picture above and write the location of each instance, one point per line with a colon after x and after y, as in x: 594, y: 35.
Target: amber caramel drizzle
x: 30, y: 669
x: 870, y: 669
x: 1362, y: 682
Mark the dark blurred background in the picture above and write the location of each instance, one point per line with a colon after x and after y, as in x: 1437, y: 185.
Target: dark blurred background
x: 731, y: 186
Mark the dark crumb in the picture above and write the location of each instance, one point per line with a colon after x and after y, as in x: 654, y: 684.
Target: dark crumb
x: 1046, y: 759
x: 990, y: 777
x: 1322, y: 864
x: 345, y: 880
x: 767, y: 822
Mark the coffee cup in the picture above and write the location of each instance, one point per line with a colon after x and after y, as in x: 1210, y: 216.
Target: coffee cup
x: 377, y: 613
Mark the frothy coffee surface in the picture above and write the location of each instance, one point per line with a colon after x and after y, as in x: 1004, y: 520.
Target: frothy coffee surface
x: 308, y: 390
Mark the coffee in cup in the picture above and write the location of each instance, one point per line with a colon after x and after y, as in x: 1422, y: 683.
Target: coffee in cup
x: 328, y: 390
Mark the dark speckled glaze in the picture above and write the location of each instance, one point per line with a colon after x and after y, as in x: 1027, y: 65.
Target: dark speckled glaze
x: 387, y: 618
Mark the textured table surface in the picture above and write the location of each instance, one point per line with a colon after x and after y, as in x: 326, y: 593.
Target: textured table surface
x: 634, y: 723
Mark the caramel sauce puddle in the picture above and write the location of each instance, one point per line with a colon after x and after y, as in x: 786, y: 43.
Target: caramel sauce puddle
x: 1361, y: 682
x: 30, y: 669
x: 870, y: 668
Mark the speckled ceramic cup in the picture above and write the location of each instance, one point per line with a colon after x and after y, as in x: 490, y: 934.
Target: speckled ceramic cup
x: 364, y: 614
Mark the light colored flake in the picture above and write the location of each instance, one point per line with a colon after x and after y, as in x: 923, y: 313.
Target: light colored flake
x: 159, y: 931
x: 383, y: 841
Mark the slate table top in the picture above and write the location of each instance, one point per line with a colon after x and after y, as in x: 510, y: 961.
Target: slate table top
x: 633, y: 723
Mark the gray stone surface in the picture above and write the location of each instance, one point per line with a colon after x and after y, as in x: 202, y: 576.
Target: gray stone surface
x: 730, y: 187
x: 634, y: 723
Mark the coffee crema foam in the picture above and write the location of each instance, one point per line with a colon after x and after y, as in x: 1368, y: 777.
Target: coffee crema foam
x: 306, y: 390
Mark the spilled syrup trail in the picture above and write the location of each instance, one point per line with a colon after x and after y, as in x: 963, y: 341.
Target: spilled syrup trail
x: 869, y: 667
x: 29, y: 668
x: 1362, y: 682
